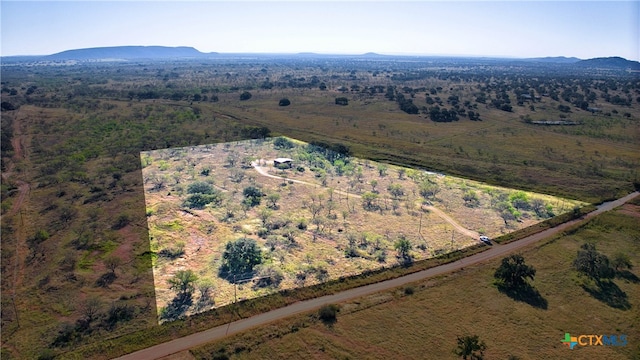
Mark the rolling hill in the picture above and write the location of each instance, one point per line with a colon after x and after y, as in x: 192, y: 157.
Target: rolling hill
x: 127, y: 53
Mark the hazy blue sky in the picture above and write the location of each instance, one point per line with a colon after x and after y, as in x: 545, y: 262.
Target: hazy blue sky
x: 583, y: 29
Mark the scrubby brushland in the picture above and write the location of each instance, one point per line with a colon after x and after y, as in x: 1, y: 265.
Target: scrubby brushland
x: 76, y: 258
x: 251, y: 225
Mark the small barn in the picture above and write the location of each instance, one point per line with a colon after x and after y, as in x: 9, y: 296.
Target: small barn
x: 283, y: 163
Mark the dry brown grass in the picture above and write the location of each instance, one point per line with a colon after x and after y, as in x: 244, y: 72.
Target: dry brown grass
x: 424, y: 325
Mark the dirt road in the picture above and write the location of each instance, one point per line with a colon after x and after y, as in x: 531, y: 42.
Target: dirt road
x: 222, y: 331
x: 473, y: 234
x: 17, y: 142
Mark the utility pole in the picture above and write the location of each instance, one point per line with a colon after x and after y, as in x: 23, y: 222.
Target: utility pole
x: 452, y: 234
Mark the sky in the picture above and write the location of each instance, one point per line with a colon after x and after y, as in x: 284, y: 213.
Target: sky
x: 520, y: 29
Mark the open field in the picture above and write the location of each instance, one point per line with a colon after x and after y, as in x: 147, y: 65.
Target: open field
x: 324, y: 217
x: 73, y: 190
x: 403, y: 324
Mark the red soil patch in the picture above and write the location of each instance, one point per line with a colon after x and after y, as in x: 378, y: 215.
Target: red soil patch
x: 125, y: 250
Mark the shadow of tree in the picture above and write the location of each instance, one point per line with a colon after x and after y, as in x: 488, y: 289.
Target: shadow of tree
x: 627, y: 276
x: 525, y: 293
x: 106, y: 279
x: 178, y: 307
x: 609, y: 293
x: 204, y: 302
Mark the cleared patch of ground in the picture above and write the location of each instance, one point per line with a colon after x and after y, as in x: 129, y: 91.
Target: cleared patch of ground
x: 322, y: 215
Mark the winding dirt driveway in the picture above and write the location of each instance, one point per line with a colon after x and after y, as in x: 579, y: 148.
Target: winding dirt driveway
x: 219, y: 332
x: 473, y: 234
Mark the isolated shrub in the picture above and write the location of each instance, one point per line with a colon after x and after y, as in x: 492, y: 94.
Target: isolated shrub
x: 263, y: 232
x: 621, y: 261
x: 284, y: 102
x: 409, y: 290
x: 118, y: 313
x: 183, y: 282
x: 239, y: 258
x: 322, y: 274
x: 38, y: 238
x: 592, y: 263
x: 106, y: 279
x: 328, y: 314
x: 470, y: 347
x: 471, y: 198
x: 199, y: 201
x: 245, y: 96
x: 520, y: 200
x: 429, y: 190
x: 173, y: 252
x: 269, y: 276
x: 252, y: 195
x: 564, y: 108
x: 122, y: 221
x: 395, y: 190
x: 66, y: 334
x: 342, y: 101
x: 200, y: 187
x: 403, y: 248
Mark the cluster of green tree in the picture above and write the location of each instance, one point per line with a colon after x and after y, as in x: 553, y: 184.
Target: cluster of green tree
x: 617, y: 99
x: 577, y: 99
x: 85, y: 160
x: 6, y: 147
x: 512, y: 274
x: 282, y: 143
x: 406, y: 105
x: 331, y: 152
x: 502, y: 102
x: 598, y: 266
x: 442, y: 115
x: 7, y: 106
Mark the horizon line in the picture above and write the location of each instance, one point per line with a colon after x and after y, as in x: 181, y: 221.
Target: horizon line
x: 329, y: 53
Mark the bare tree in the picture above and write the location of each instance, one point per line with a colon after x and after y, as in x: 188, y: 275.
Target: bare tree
x: 315, y: 209
x: 91, y: 308
x: 112, y: 262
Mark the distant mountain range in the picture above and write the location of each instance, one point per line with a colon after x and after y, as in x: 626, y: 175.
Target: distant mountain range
x: 128, y: 53
x: 556, y: 60
x: 610, y: 63
x: 184, y: 52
